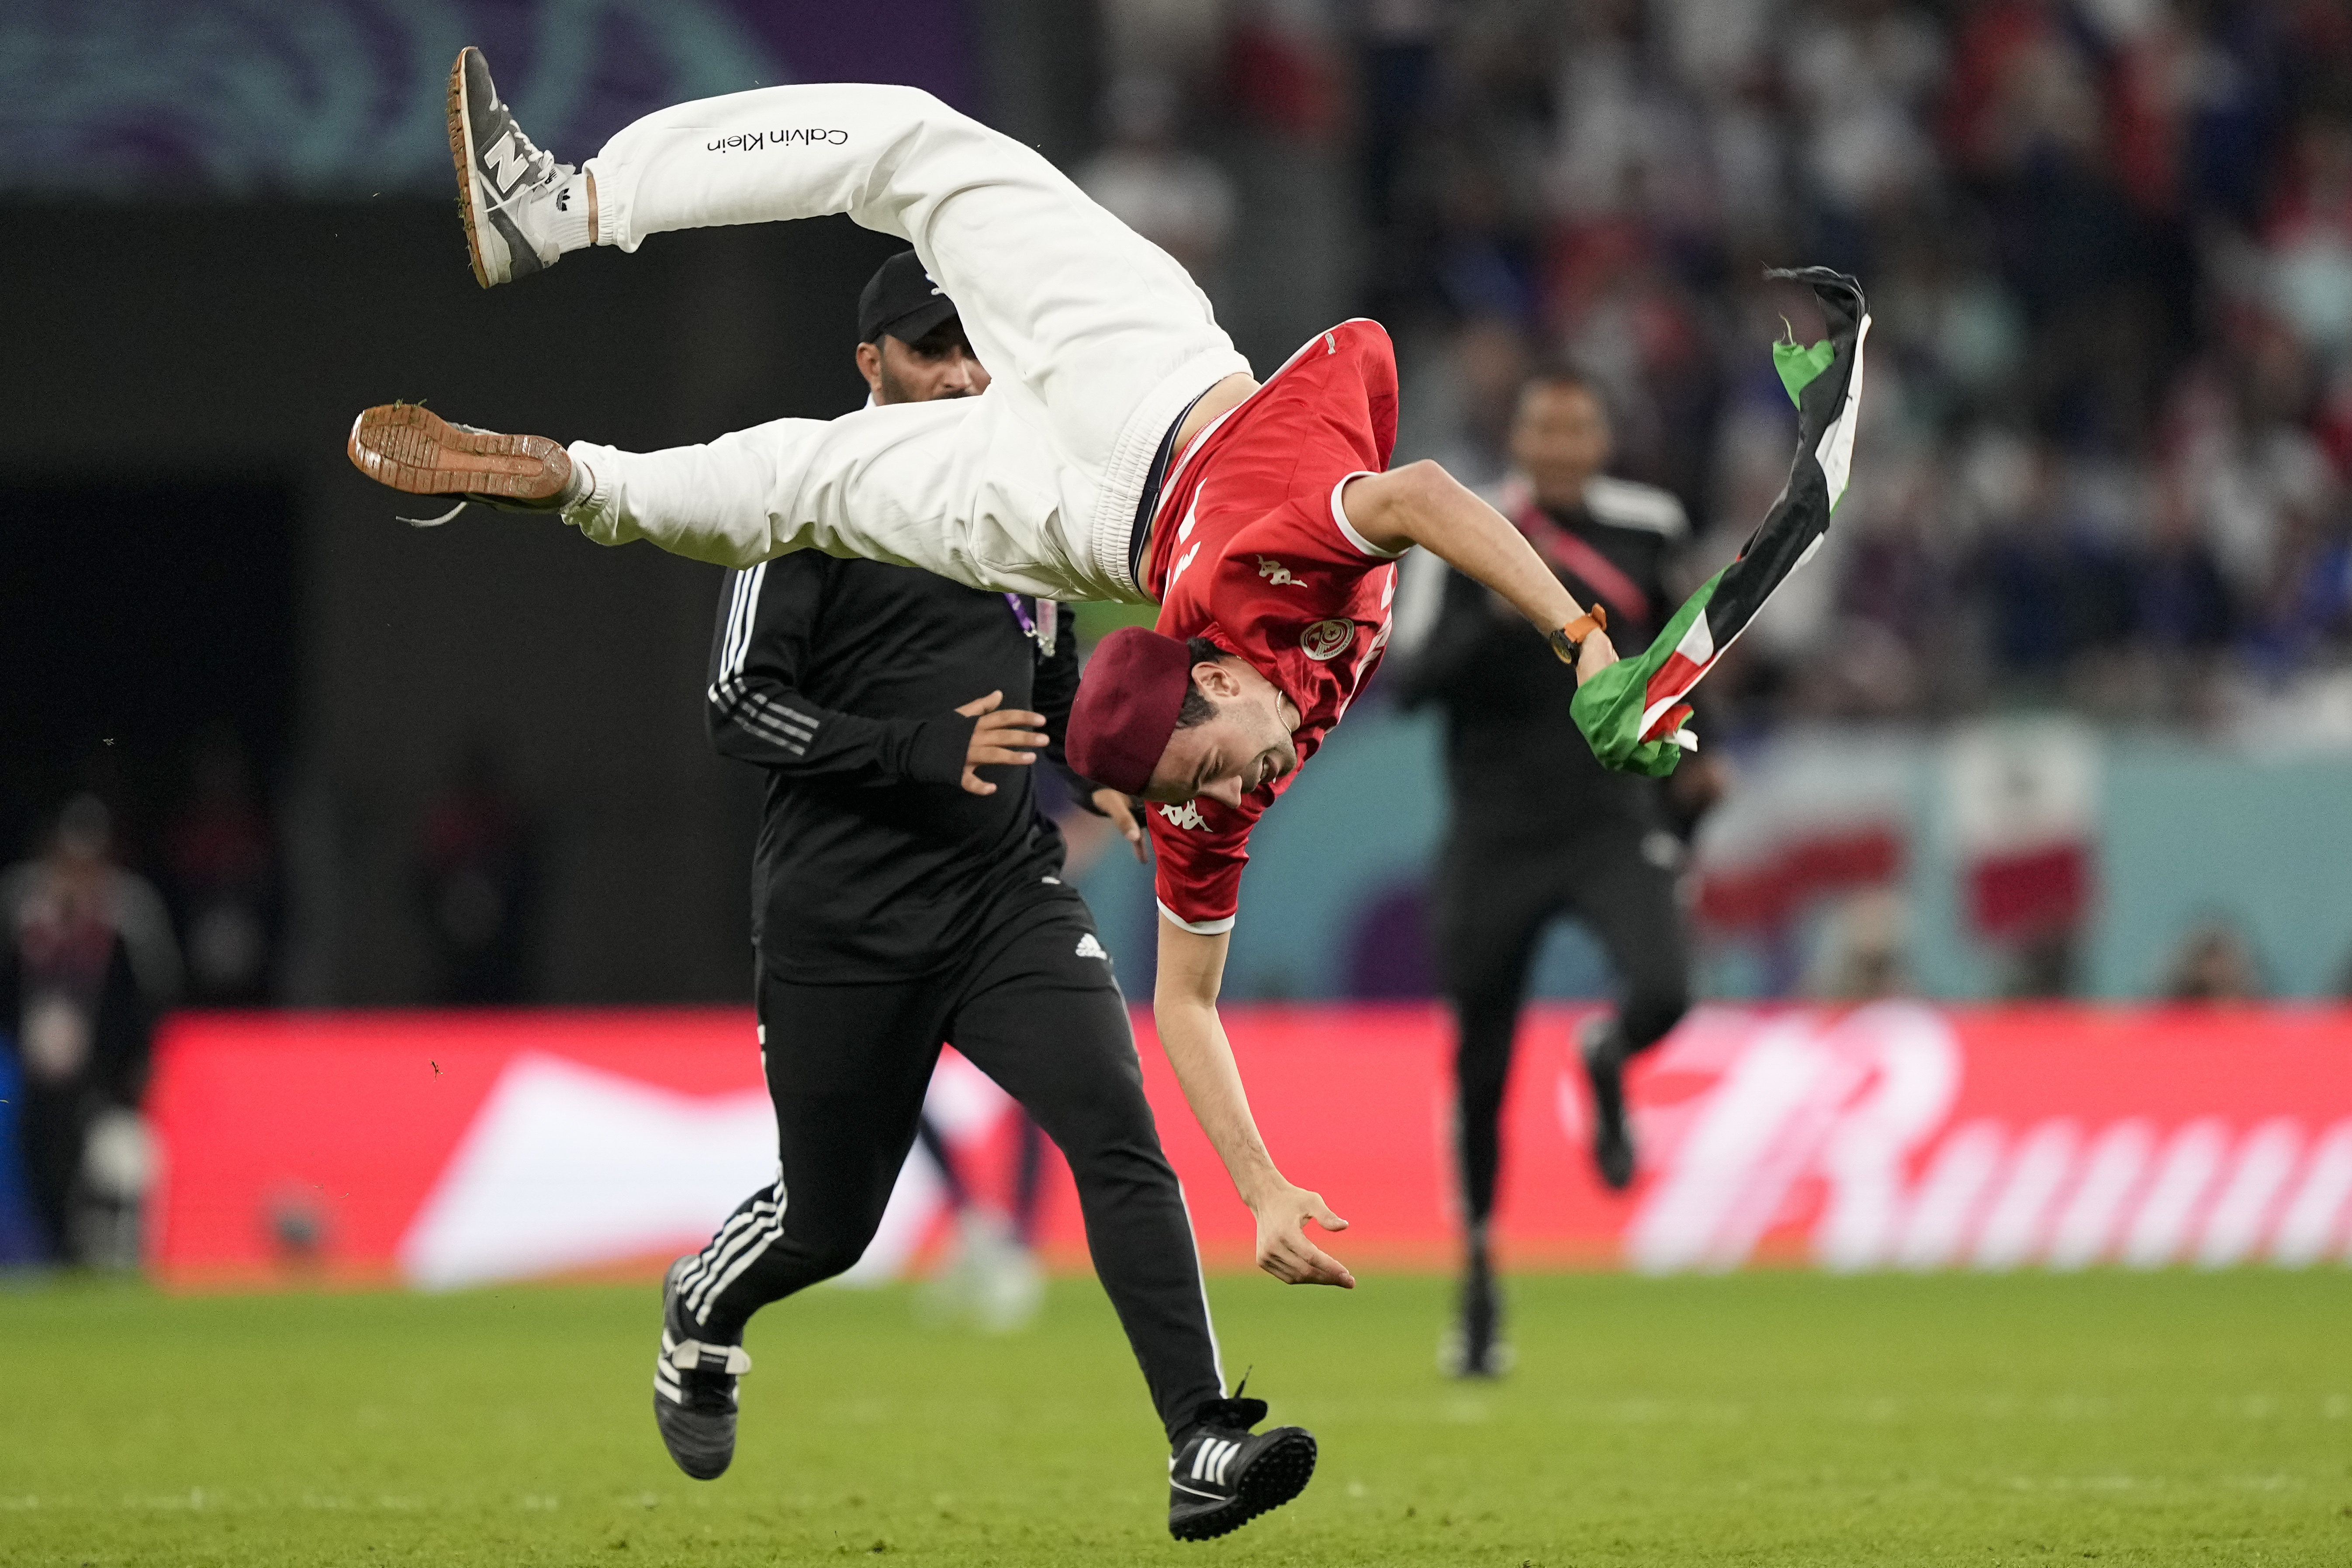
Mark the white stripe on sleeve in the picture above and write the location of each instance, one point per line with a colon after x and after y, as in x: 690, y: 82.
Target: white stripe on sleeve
x: 1198, y: 928
x: 1339, y: 516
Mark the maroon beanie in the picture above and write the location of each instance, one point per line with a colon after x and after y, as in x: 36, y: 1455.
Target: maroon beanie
x: 1127, y: 706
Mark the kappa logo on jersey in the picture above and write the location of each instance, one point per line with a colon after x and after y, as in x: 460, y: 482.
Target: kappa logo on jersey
x: 1185, y: 815
x: 1090, y: 946
x: 1275, y: 573
x: 1326, y: 641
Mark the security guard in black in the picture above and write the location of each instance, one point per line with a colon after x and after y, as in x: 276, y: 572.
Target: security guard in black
x: 906, y: 894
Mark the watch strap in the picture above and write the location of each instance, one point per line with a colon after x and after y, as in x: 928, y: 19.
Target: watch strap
x: 1567, y: 639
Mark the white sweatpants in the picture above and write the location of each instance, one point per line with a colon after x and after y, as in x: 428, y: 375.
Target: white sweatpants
x: 1096, y: 339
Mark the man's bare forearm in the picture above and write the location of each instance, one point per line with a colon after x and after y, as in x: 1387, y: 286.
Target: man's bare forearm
x: 1194, y: 1039
x: 1184, y: 1006
x: 1422, y: 504
x: 1192, y: 968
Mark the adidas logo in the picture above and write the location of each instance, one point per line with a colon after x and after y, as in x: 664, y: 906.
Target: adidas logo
x: 1211, y: 1461
x: 1090, y: 946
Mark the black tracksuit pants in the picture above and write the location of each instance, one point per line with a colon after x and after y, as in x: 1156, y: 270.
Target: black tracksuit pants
x: 846, y: 1068
x: 1496, y: 895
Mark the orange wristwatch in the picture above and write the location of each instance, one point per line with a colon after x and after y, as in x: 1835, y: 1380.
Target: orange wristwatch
x: 1569, y: 638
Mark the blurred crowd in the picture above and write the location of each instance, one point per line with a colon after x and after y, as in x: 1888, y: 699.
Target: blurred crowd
x: 2108, y: 244
x: 2109, y: 250
x: 2106, y: 459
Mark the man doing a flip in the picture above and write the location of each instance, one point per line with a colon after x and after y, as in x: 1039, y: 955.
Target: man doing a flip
x: 1122, y: 452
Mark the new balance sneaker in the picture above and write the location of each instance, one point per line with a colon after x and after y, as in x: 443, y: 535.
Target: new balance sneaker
x: 1222, y: 1475
x: 1473, y: 1345
x: 1602, y: 1046
x: 411, y: 448
x: 521, y: 208
x: 694, y: 1390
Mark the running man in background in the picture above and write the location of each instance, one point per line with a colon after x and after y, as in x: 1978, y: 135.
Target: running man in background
x: 88, y: 967
x: 1124, y: 452
x: 908, y: 892
x: 1538, y: 829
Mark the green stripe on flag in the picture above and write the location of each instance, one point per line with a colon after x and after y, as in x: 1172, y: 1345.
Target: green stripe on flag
x: 1799, y: 365
x: 1608, y: 706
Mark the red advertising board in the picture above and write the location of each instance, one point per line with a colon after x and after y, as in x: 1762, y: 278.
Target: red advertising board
x: 447, y: 1149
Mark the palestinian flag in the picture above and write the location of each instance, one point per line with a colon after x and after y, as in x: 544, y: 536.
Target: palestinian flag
x: 1633, y: 711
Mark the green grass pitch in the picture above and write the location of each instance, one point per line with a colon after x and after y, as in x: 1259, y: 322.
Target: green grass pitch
x: 1763, y: 1418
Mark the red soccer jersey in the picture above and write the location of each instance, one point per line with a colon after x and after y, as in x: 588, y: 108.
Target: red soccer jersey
x: 1251, y: 550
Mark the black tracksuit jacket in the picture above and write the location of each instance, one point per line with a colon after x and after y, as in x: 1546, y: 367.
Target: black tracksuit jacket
x: 867, y: 869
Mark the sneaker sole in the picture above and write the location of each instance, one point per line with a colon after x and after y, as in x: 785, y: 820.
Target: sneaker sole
x: 412, y: 449
x: 461, y: 151
x: 1279, y: 1472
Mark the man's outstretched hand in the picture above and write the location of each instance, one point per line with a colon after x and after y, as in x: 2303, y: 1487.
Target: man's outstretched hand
x: 1003, y: 735
x: 1283, y: 1250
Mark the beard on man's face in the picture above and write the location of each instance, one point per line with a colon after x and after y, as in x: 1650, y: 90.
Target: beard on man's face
x: 896, y: 388
x: 892, y: 389
x: 926, y: 370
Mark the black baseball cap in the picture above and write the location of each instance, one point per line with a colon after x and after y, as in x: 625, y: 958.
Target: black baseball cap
x: 901, y: 300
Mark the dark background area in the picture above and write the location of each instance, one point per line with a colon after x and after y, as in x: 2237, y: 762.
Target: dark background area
x: 146, y: 634
x: 188, y: 545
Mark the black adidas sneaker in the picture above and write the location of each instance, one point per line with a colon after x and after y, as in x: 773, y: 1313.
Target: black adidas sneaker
x: 1601, y: 1044
x: 514, y: 197
x: 694, y: 1390
x: 1222, y: 1475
